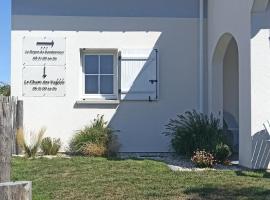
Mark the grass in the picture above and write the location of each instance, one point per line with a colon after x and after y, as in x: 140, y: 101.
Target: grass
x: 82, y: 178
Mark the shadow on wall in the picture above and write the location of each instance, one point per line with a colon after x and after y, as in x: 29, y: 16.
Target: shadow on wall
x: 260, y: 150
x: 260, y: 21
x: 233, y: 128
x: 104, y: 8
x: 138, y: 116
x: 141, y: 122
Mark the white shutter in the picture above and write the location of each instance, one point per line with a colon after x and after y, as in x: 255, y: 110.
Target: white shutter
x: 139, y: 79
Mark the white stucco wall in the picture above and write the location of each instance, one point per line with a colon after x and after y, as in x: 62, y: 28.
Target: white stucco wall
x: 260, y: 76
x: 260, y: 59
x: 232, y: 17
x: 140, y: 122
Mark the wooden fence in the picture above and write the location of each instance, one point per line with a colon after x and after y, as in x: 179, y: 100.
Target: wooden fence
x: 11, y: 118
x: 12, y: 112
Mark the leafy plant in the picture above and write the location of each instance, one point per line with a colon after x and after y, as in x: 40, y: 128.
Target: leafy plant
x: 203, y: 159
x: 30, y: 147
x: 192, y: 130
x: 50, y: 146
x: 4, y: 89
x: 222, y: 152
x: 97, y: 133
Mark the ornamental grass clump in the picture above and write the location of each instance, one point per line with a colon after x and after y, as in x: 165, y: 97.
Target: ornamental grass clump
x: 94, y: 140
x: 192, y: 130
x: 203, y: 159
x: 50, y: 146
x: 31, y: 146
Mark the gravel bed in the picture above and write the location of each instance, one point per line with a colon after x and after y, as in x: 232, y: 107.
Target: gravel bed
x: 46, y: 156
x: 183, y: 164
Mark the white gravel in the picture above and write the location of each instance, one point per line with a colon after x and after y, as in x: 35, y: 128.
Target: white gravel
x: 46, y: 156
x: 182, y: 164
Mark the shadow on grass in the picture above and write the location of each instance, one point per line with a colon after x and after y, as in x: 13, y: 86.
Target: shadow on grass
x: 150, y: 158
x: 227, y: 192
x: 117, y: 159
x: 123, y: 159
x: 167, y: 159
x: 258, y: 174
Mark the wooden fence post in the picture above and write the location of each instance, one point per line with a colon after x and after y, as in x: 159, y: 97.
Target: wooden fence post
x: 11, y: 112
x: 20, y: 190
x: 5, y: 139
x: 13, y: 104
x: 19, y: 122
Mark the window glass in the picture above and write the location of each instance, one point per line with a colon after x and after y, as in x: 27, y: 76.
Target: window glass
x: 91, y: 64
x: 91, y: 84
x: 99, y: 74
x: 106, y: 84
x: 106, y: 64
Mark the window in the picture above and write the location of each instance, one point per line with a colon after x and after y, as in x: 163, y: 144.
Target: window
x: 100, y: 75
x: 137, y: 79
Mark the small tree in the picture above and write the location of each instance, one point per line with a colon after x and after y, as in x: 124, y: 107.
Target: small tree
x: 4, y: 89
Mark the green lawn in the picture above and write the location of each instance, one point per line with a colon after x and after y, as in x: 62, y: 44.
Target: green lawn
x: 99, y: 178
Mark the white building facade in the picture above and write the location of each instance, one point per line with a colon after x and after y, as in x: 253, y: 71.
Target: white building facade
x: 152, y: 60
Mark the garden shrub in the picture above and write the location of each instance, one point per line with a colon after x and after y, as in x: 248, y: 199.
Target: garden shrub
x: 192, y: 130
x: 31, y: 147
x: 98, y: 133
x: 203, y: 159
x: 91, y: 149
x: 50, y: 146
x: 222, y: 152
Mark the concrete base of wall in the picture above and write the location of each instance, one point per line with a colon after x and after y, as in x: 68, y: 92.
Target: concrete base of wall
x: 125, y: 155
x: 16, y: 190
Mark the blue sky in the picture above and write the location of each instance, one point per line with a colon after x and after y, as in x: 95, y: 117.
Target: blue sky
x: 5, y: 6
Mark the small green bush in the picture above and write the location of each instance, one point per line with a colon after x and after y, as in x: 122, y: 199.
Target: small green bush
x: 50, y: 146
x: 192, y: 130
x: 97, y: 133
x: 203, y: 159
x: 222, y: 152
